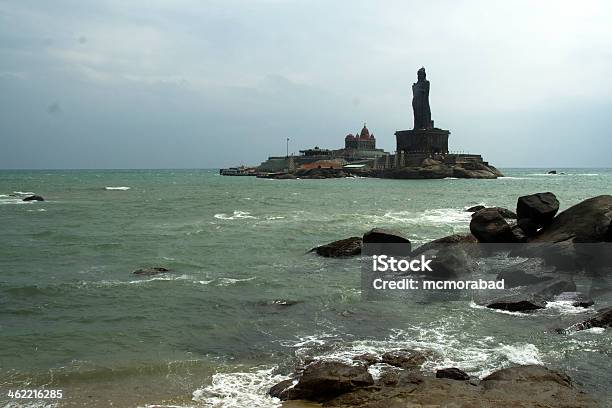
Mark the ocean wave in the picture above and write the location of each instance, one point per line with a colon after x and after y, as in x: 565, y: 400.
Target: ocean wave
x: 241, y: 389
x: 431, y: 217
x: 512, y: 178
x: 120, y: 188
x: 236, y: 215
x: 475, y: 305
x: 565, y: 307
x: 23, y: 192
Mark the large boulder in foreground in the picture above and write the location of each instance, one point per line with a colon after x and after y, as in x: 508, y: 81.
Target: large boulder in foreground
x: 489, y: 226
x: 323, y: 380
x: 341, y: 248
x: 588, y: 221
x: 539, y: 208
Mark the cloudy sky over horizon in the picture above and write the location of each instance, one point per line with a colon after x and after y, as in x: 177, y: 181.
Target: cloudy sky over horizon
x: 192, y: 84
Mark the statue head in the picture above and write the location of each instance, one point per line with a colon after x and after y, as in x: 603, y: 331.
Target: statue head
x: 421, y: 74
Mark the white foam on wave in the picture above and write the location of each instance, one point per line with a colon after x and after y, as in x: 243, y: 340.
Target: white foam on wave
x: 119, y: 188
x: 240, y: 389
x: 475, y: 305
x: 439, y: 216
x: 236, y: 215
x: 512, y: 178
x: 565, y: 307
x: 23, y: 192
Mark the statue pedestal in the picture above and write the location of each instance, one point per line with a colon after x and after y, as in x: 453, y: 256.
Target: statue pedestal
x: 422, y: 140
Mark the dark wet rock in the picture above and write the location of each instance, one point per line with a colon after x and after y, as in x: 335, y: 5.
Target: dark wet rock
x: 578, y: 299
x: 529, y: 227
x: 539, y: 208
x: 522, y: 302
x: 277, y: 304
x: 406, y: 359
x: 280, y: 390
x: 323, y: 380
x: 453, y: 374
x: 489, y: 226
x: 552, y: 172
x: 475, y: 208
x: 519, y: 235
x: 386, y: 241
x: 603, y: 318
x: 33, y: 198
x: 156, y: 270
x: 588, y: 221
x: 341, y: 248
x: 527, y: 272
x: 367, y: 358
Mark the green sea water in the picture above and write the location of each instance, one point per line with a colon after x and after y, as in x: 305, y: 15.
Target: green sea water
x: 74, y: 317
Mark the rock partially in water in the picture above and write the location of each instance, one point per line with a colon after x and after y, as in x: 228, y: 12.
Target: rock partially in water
x: 33, y: 198
x: 342, y: 248
x: 516, y: 275
x: 518, y: 303
x: 578, y: 299
x: 452, y: 373
x: 603, y: 319
x: 386, y: 241
x: 323, y: 380
x: 156, y: 270
x: 475, y: 208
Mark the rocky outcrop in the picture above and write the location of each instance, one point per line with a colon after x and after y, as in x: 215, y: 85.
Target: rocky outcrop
x: 475, y: 208
x: 323, y: 380
x: 516, y: 275
x: 459, y: 240
x: 433, y: 169
x: 155, y: 270
x: 514, y: 387
x: 489, y: 226
x: 33, y: 198
x: 537, y: 209
x: 321, y: 173
x: 588, y: 221
x: 341, y: 248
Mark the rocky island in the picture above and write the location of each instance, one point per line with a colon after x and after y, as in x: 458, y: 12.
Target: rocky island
x: 421, y: 153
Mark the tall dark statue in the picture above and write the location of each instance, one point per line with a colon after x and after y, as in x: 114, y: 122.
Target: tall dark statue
x: 420, y: 102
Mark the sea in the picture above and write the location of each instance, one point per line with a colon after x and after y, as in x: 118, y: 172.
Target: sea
x: 245, y: 301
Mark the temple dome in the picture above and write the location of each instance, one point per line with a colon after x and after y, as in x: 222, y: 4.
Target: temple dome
x: 365, y: 133
x: 349, y: 137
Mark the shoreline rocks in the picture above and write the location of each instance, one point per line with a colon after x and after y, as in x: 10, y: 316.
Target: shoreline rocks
x: 155, y: 270
x: 33, y: 198
x: 341, y: 385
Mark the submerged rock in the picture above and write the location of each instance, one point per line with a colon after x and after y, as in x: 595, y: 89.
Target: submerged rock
x: 151, y: 271
x: 341, y: 248
x: 33, y: 198
x: 603, y: 319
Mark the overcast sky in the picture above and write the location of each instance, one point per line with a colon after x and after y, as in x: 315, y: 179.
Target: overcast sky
x: 186, y: 83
